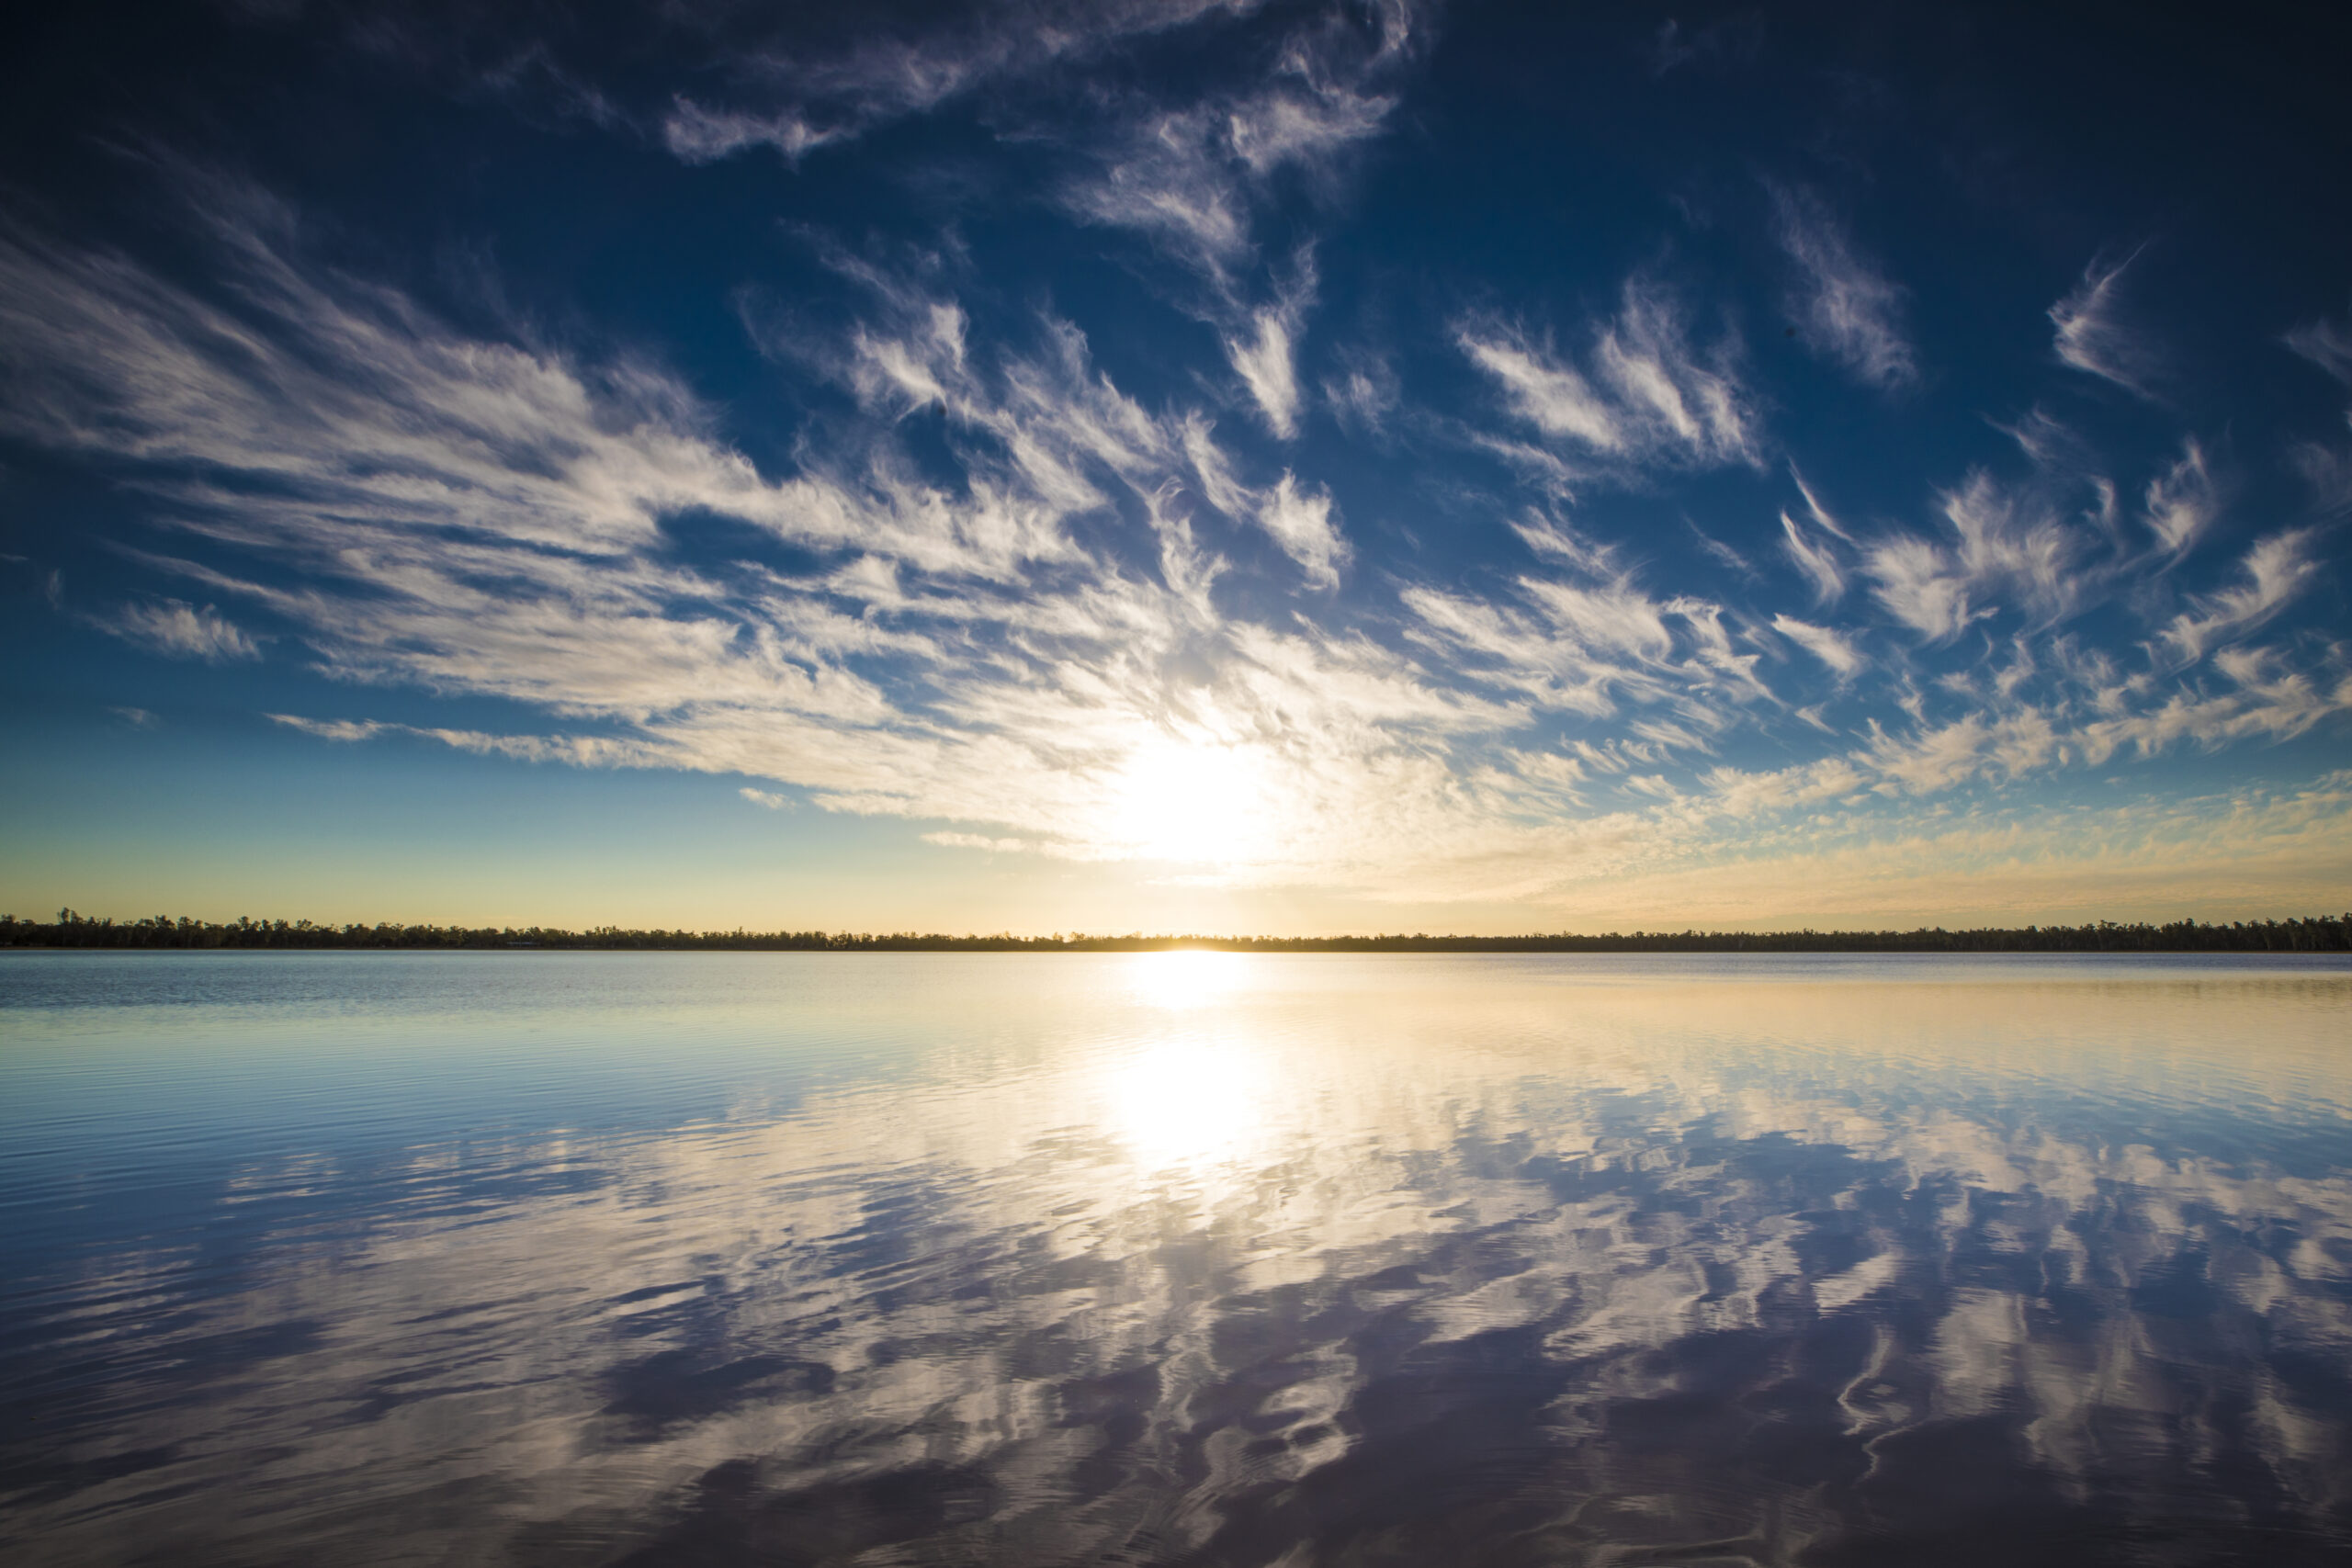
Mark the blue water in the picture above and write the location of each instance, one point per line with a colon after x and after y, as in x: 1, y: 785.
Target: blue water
x: 560, y: 1258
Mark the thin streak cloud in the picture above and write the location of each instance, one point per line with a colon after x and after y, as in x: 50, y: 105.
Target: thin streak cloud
x: 2094, y: 334
x: 1844, y: 309
x: 180, y: 630
x: 1823, y: 642
x: 1644, y: 391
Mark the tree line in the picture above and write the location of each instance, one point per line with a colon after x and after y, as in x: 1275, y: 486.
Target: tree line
x: 2317, y: 935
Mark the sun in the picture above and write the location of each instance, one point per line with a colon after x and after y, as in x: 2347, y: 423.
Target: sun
x: 1194, y: 802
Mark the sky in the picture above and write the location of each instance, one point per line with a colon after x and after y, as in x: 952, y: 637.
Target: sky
x: 1184, y: 465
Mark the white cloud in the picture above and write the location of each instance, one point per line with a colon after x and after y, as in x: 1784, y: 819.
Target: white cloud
x: 1300, y: 521
x: 2275, y: 569
x: 2004, y: 547
x: 1823, y: 642
x: 1918, y: 586
x: 345, y: 729
x: 700, y: 135
x: 2269, y: 704
x: 1940, y: 757
x: 1646, y: 355
x: 1188, y: 177
x: 1583, y: 647
x: 1365, y: 393
x: 795, y: 100
x: 1721, y: 551
x: 979, y: 841
x: 1554, y: 539
x: 1818, y: 561
x: 2325, y: 343
x: 1265, y: 364
x: 1744, y: 795
x: 2045, y: 439
x: 1616, y: 618
x: 2094, y: 337
x: 1551, y: 396
x: 179, y: 630
x: 1015, y: 640
x: 1818, y: 513
x: 1843, y: 308
x: 2182, y: 501
x: 767, y: 800
x: 2011, y: 540
x: 1643, y: 395
x: 1172, y: 183
x: 956, y: 653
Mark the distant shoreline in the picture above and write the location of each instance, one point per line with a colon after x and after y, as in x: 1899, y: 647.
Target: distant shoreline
x: 2314, y: 934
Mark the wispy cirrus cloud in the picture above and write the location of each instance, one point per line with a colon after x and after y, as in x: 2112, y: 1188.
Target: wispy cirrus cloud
x: 981, y: 841
x: 343, y: 730
x: 1363, y: 392
x: 575, y: 751
x: 2273, y: 572
x: 491, y: 518
x: 1590, y: 641
x: 1085, y: 625
x: 2182, y: 502
x: 1642, y: 393
x: 1844, y: 309
x: 1190, y: 172
x: 795, y: 97
x: 1264, y: 352
x: 1300, y: 521
x: 1824, y: 643
x: 2094, y: 334
x: 2326, y: 343
x: 1183, y: 179
x: 1815, y: 559
x: 2001, y: 548
x: 1190, y: 176
x: 1264, y: 362
x: 1814, y: 550
x: 180, y: 630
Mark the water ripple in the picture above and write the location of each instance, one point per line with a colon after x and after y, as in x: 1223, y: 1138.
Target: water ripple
x: 681, y: 1258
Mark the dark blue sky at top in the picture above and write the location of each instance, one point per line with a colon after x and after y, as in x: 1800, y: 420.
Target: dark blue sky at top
x: 1530, y: 179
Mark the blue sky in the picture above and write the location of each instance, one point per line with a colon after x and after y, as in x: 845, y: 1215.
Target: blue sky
x: 1158, y: 465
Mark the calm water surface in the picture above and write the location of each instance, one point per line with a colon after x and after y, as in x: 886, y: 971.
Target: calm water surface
x: 1187, y: 1259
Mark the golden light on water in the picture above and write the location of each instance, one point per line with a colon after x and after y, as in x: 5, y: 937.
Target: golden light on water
x: 1188, y: 979
x: 1238, y: 1170
x: 1194, y: 1092
x: 1187, y: 1101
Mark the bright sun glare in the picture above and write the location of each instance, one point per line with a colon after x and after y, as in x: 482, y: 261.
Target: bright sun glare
x: 1185, y: 1103
x: 1195, y: 1095
x: 1193, y: 802
x: 1187, y: 978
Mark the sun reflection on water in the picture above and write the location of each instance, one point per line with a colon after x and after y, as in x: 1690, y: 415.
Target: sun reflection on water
x: 1187, y: 979
x: 1198, y: 1237
x: 1192, y: 1093
x: 1188, y: 1102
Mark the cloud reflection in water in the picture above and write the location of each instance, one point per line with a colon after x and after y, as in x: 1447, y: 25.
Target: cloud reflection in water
x: 1193, y: 1257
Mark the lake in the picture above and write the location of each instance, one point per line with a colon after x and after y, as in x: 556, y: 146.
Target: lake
x: 1200, y: 1258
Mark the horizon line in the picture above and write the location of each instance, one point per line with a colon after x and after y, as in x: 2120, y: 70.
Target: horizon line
x: 2318, y: 933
